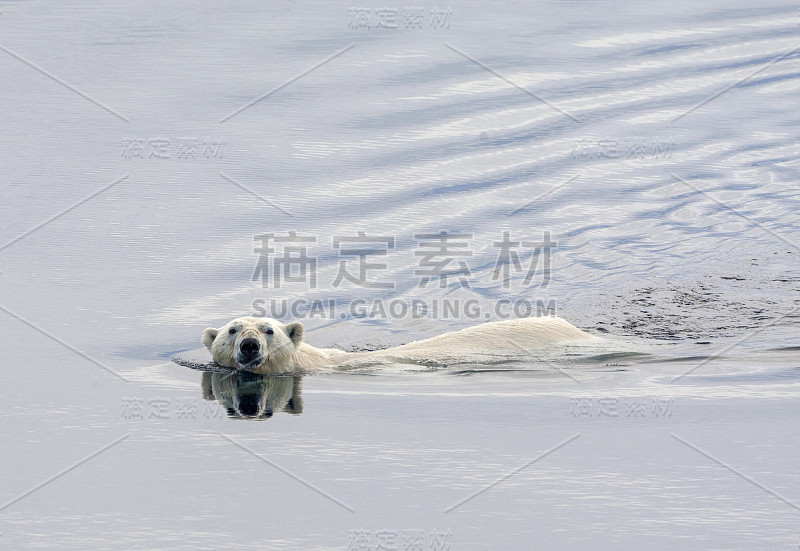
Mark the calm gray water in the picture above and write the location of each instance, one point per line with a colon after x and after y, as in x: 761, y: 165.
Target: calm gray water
x: 654, y: 146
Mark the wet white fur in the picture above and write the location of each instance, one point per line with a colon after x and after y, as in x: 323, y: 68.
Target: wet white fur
x: 285, y: 350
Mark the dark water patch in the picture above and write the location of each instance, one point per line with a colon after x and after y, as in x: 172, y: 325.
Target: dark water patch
x: 747, y: 378
x: 679, y: 359
x: 616, y: 356
x: 467, y: 372
x: 784, y: 349
x: 702, y: 311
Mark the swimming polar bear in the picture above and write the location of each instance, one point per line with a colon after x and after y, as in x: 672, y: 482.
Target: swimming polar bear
x: 267, y: 346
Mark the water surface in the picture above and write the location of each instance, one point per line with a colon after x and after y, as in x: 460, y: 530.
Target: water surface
x: 656, y: 144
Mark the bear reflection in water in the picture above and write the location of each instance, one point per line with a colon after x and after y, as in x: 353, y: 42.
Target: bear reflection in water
x: 248, y: 395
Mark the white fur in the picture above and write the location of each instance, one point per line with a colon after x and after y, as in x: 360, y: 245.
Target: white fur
x: 285, y: 352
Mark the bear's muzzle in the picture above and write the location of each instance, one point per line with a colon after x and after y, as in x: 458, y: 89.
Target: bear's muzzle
x: 249, y: 353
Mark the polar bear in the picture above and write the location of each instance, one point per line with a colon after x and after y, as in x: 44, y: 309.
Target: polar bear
x: 267, y: 346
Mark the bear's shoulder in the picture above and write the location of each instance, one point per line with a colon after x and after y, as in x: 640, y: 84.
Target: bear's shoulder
x: 310, y: 357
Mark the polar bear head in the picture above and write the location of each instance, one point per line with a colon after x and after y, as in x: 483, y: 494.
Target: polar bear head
x: 254, y: 344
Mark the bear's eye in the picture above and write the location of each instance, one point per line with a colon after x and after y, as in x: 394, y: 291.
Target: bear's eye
x: 231, y: 331
x: 269, y: 331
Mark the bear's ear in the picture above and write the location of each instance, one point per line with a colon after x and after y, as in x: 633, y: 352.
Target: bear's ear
x: 208, y: 337
x: 295, y: 331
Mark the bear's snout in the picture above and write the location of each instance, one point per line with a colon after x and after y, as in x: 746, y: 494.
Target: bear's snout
x: 249, y: 347
x: 249, y: 353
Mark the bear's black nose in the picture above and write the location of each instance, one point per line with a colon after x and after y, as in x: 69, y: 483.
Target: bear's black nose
x: 249, y: 347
